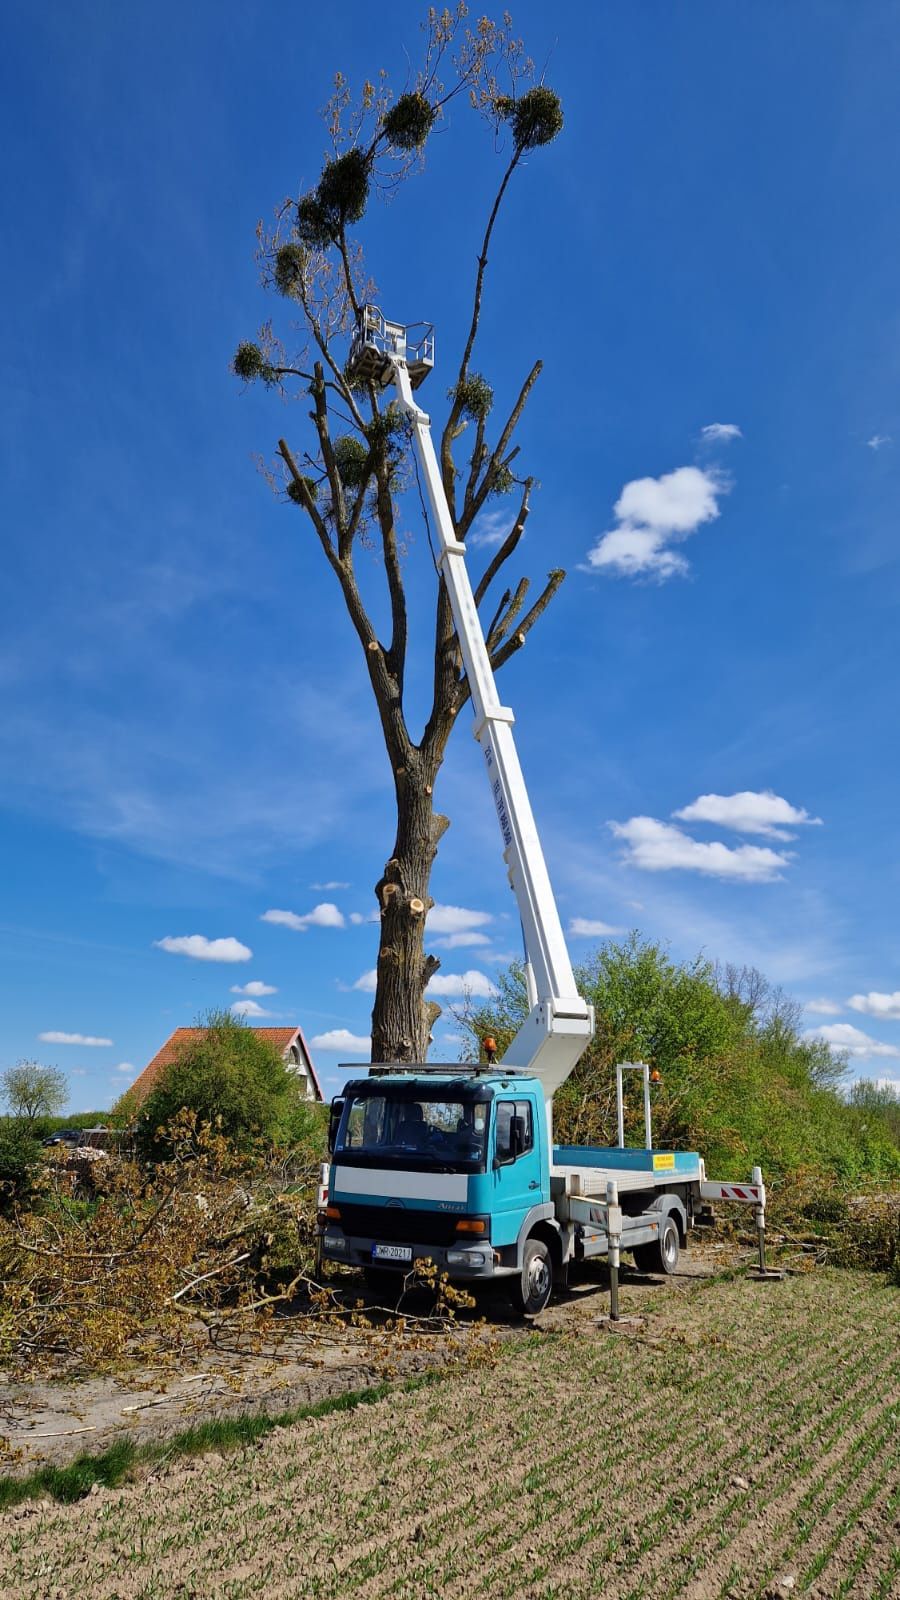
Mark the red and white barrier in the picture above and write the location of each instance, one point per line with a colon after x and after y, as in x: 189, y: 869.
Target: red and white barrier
x: 751, y: 1193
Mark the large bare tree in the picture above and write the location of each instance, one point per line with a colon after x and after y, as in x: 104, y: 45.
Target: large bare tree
x: 351, y: 481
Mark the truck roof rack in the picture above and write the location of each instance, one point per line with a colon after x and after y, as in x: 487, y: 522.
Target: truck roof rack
x: 421, y: 1069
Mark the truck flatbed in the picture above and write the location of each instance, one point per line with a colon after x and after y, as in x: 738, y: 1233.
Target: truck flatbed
x: 592, y: 1167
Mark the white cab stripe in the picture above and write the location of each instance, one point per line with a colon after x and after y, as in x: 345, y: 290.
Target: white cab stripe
x: 399, y: 1185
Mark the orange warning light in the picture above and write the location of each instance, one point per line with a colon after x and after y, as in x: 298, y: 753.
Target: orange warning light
x: 490, y: 1048
x: 655, y: 1076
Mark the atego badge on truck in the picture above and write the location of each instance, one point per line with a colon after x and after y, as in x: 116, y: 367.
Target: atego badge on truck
x: 456, y: 1164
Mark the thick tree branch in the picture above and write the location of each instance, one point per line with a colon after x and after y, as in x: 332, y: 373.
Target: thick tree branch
x: 476, y: 461
x: 504, y: 602
x: 554, y: 579
x: 508, y: 546
x: 446, y: 677
x: 384, y: 685
x: 348, y: 276
x: 497, y: 457
x: 396, y: 655
x: 502, y: 624
x: 342, y: 385
x: 323, y: 429
x: 456, y: 409
x: 309, y: 505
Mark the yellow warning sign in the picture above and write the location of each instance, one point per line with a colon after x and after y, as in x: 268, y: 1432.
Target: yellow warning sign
x: 664, y: 1163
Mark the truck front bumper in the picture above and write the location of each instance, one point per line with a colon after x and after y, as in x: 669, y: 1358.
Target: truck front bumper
x: 462, y: 1262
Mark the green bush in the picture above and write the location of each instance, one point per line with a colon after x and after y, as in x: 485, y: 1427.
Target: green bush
x: 739, y: 1083
x: 229, y: 1076
x: 20, y: 1162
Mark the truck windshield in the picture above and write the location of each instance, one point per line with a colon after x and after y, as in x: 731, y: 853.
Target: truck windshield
x: 420, y: 1131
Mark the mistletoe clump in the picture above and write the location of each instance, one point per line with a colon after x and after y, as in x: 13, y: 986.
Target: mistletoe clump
x: 344, y: 188
x: 250, y: 363
x: 351, y: 459
x: 290, y: 266
x: 296, y: 486
x: 312, y: 224
x: 502, y: 480
x: 409, y: 121
x: 339, y: 198
x: 536, y: 117
x: 474, y: 396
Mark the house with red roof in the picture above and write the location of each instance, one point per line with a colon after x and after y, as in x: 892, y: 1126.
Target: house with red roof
x: 289, y: 1042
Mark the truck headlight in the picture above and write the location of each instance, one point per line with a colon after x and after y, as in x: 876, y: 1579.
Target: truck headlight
x: 465, y: 1258
x: 335, y: 1241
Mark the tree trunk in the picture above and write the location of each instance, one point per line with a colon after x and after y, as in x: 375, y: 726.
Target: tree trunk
x: 401, y: 1017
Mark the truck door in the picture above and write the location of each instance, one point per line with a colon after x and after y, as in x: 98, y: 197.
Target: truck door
x: 516, y: 1168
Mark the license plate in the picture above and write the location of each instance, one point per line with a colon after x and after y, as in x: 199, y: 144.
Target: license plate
x: 392, y: 1252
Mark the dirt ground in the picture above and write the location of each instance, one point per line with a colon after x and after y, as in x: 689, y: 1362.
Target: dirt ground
x: 736, y: 1441
x: 45, y: 1421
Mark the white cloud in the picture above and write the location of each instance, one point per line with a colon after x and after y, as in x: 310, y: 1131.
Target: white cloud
x: 455, y: 919
x: 126, y: 1066
x: 888, y: 1083
x: 199, y: 948
x: 325, y: 915
x: 255, y: 988
x: 459, y: 941
x: 587, y: 928
x: 54, y: 1037
x: 456, y: 985
x: 342, y: 1040
x: 823, y: 1008
x: 843, y: 1037
x: 655, y: 846
x: 879, y: 440
x: 358, y: 918
x: 249, y: 1008
x: 367, y: 982
x: 334, y: 884
x: 720, y: 432
x: 873, y: 1004
x: 749, y: 811
x: 650, y: 513
x: 490, y: 529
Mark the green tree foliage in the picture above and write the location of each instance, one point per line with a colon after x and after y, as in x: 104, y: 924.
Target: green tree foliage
x: 20, y: 1158
x: 233, y: 1079
x: 739, y: 1083
x: 31, y: 1090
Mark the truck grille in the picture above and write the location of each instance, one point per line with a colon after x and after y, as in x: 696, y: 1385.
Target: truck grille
x: 397, y: 1225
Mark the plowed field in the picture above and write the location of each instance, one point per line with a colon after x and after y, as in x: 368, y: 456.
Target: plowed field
x: 741, y: 1443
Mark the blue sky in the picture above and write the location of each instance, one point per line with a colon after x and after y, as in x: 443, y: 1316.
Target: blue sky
x: 187, y: 740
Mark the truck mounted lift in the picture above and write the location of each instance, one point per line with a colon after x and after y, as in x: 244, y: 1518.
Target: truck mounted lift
x: 456, y: 1163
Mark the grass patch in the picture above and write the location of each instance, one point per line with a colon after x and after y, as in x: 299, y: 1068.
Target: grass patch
x: 74, y: 1481
x: 112, y: 1467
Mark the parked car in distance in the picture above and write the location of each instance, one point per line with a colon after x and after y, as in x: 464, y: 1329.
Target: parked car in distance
x: 69, y: 1136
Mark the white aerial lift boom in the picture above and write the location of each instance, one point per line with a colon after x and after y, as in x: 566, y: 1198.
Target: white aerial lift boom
x: 580, y: 1200
x: 560, y: 1024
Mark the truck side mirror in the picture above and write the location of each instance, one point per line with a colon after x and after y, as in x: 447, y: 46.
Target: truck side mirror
x: 334, y: 1121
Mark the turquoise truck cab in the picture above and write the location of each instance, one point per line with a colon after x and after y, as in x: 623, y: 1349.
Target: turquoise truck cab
x: 455, y: 1169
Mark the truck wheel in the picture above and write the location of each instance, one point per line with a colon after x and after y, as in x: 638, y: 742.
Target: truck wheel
x: 531, y: 1290
x: 662, y: 1254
